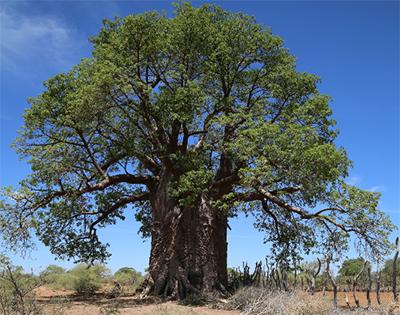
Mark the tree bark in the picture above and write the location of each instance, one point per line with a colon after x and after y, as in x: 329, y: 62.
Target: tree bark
x: 369, y: 287
x: 355, y: 281
x: 314, y: 277
x: 188, y: 247
x: 333, y: 282
x: 378, y: 286
x: 394, y: 274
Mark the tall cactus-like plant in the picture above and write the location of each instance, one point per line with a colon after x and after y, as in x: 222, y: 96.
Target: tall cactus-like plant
x: 332, y: 280
x: 378, y: 285
x: 355, y: 282
x: 369, y: 287
x: 394, y: 275
x: 314, y: 277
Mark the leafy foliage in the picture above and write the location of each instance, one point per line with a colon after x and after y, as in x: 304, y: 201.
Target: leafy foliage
x: 88, y: 279
x: 83, y: 279
x: 208, y: 101
x: 17, y: 290
x: 52, y: 274
x: 127, y: 276
x: 350, y: 268
x: 387, y: 272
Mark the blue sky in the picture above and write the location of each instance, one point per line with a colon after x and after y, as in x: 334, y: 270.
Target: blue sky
x: 352, y: 46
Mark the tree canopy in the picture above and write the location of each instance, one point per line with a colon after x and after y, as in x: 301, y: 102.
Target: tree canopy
x: 208, y: 95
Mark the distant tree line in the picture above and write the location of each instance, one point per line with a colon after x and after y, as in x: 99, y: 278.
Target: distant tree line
x: 17, y: 287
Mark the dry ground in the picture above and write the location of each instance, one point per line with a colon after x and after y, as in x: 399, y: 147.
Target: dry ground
x: 386, y: 298
x: 168, y: 308
x: 59, y: 302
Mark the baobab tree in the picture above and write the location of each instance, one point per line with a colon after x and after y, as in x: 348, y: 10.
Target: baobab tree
x: 188, y: 120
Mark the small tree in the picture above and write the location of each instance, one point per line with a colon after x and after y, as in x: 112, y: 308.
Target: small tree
x: 51, y: 275
x: 88, y: 279
x: 355, y: 280
x: 17, y: 290
x: 311, y: 271
x: 332, y: 248
x: 128, y: 277
x: 350, y: 269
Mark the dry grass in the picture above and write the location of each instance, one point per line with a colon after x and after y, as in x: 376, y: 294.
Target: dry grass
x: 257, y: 301
x: 252, y: 301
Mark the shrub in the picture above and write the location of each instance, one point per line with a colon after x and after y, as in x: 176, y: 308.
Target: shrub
x: 125, y: 279
x: 57, y: 278
x: 83, y: 279
x: 17, y: 290
x: 64, y: 281
x: 86, y: 279
x: 101, y: 271
x: 86, y: 284
x: 128, y: 277
x: 52, y: 270
x: 52, y: 275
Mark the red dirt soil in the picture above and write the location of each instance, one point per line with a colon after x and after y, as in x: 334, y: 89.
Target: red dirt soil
x: 77, y: 305
x: 386, y: 298
x: 132, y: 305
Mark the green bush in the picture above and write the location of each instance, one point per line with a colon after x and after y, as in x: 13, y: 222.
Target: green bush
x: 64, y: 281
x: 57, y: 278
x: 88, y: 279
x: 52, y: 270
x: 83, y: 279
x: 128, y: 277
x: 87, y: 284
x: 52, y: 274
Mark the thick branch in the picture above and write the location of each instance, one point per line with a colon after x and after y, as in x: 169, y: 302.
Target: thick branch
x: 111, y: 180
x: 303, y: 214
x: 86, y: 146
x: 120, y: 203
x: 262, y: 194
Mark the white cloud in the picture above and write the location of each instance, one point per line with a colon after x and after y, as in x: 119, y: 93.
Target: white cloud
x: 35, y: 39
x: 376, y: 188
x: 356, y: 181
x: 20, y: 33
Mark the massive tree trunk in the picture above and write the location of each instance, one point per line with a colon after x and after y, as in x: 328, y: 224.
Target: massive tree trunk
x: 188, y: 247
